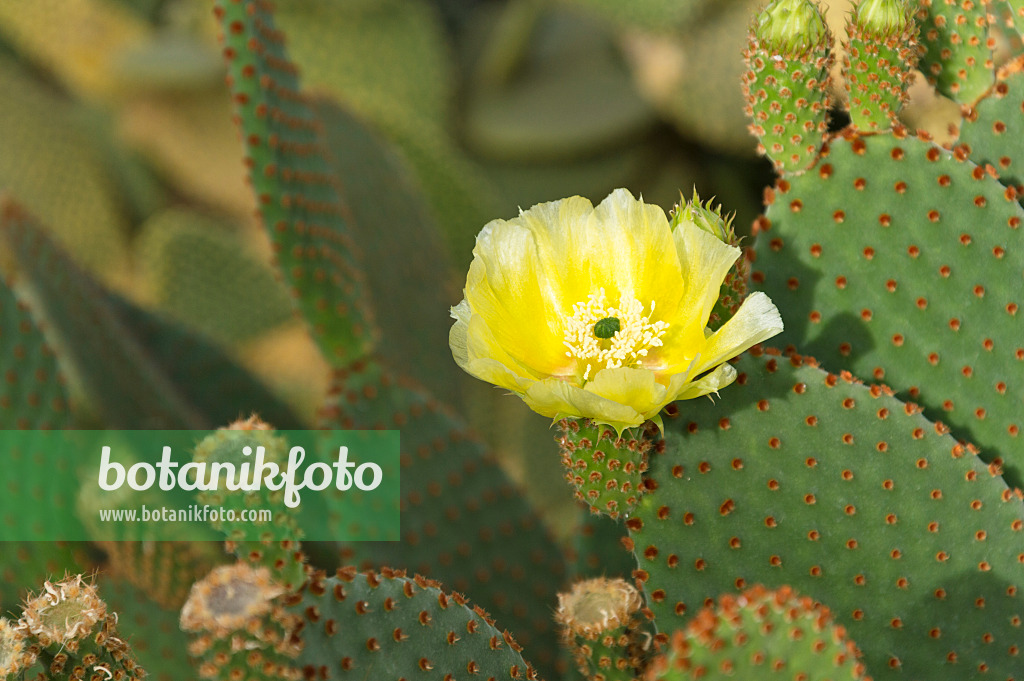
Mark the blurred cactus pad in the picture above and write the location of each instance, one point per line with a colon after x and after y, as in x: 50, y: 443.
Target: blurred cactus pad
x: 260, y: 213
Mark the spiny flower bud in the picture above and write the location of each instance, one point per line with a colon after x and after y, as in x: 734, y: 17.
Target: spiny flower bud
x: 882, y: 18
x: 791, y: 27
x: 705, y: 216
x: 709, y: 218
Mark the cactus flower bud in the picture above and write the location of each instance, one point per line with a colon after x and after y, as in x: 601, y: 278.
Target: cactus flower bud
x: 791, y: 27
x: 882, y: 18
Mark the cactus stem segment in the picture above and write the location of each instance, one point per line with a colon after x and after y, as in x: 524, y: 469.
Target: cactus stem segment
x: 605, y: 469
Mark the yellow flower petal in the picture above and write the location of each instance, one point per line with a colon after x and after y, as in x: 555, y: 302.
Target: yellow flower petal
x: 705, y: 260
x: 635, y: 387
x: 506, y: 288
x: 711, y: 383
x: 553, y: 397
x: 476, y: 352
x: 757, y: 320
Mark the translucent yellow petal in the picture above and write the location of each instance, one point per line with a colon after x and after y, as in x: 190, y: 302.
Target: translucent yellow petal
x: 553, y: 397
x: 559, y: 229
x: 635, y: 387
x: 457, y: 335
x: 632, y: 244
x: 757, y: 320
x: 481, y: 343
x: 505, y: 286
x: 705, y: 260
x: 622, y: 245
x: 476, y: 352
x: 711, y: 383
x: 495, y: 372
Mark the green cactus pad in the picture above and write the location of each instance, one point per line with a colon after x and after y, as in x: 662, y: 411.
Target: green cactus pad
x: 32, y: 397
x: 125, y: 361
x: 29, y: 471
x: 605, y: 469
x: 899, y: 261
x: 160, y: 645
x: 598, y: 548
x: 391, y: 626
x: 958, y: 57
x: 992, y: 129
x: 463, y: 521
x: 880, y: 53
x: 800, y: 477
x: 55, y: 166
x: 786, y: 82
x: 760, y: 634
x: 296, y: 189
x: 391, y: 222
x: 204, y: 276
x: 33, y: 394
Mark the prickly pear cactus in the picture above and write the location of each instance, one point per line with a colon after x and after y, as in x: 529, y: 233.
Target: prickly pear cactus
x: 897, y: 260
x: 851, y: 516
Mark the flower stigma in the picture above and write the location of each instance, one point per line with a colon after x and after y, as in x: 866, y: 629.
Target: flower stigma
x: 611, y: 337
x: 607, y: 327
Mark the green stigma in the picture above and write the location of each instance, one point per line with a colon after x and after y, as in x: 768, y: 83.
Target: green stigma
x: 607, y: 327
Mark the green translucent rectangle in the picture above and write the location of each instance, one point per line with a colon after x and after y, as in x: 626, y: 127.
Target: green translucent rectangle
x: 75, y: 485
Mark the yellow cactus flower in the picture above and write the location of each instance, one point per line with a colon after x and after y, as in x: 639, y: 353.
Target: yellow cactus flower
x: 602, y: 312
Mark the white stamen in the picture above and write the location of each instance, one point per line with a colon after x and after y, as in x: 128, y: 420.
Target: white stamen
x: 637, y: 334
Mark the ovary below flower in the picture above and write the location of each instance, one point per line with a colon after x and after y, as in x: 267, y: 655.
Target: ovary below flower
x: 601, y: 312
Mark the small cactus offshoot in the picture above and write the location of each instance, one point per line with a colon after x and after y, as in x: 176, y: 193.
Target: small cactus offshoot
x: 786, y: 82
x: 881, y: 53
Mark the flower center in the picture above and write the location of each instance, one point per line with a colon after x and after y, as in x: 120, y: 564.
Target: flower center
x: 607, y: 327
x: 611, y: 337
